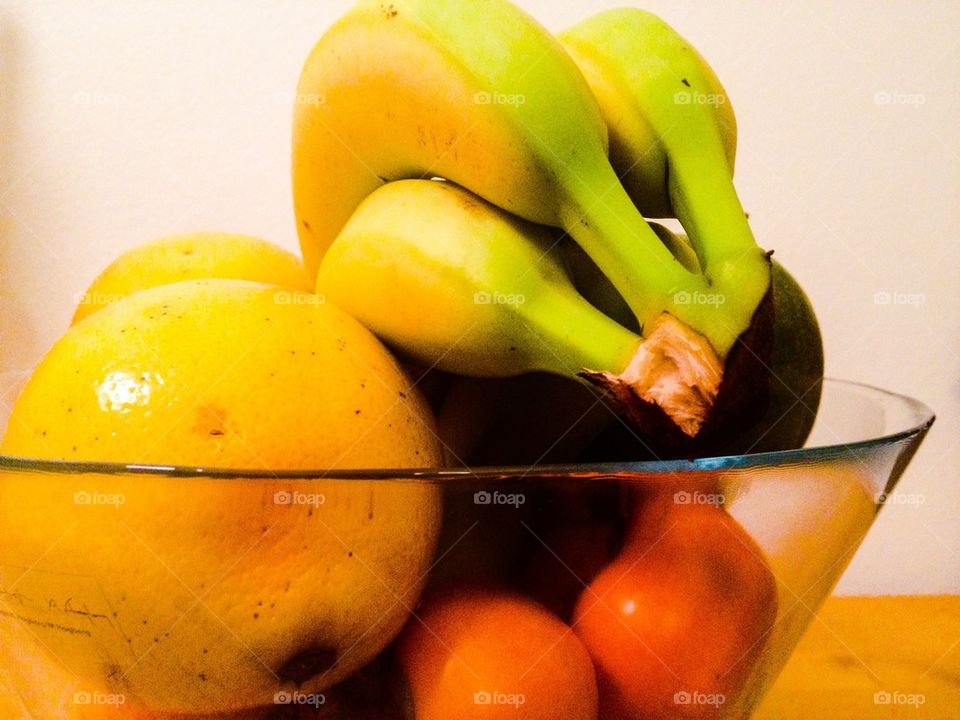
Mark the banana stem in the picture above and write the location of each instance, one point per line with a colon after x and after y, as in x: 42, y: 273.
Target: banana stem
x: 718, y: 304
x: 608, y: 226
x: 707, y: 205
x: 674, y: 368
x: 576, y: 336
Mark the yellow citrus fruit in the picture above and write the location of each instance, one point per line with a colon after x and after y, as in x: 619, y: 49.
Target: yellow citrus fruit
x: 187, y: 592
x: 35, y: 685
x: 196, y: 256
x: 10, y: 705
x: 39, y: 687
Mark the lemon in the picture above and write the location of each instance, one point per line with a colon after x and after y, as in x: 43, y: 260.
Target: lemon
x: 196, y: 256
x: 197, y: 593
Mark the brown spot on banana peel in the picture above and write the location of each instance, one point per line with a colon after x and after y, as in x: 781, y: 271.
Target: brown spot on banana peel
x: 741, y: 398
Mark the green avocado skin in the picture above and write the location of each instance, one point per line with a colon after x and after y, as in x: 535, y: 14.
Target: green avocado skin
x: 796, y: 379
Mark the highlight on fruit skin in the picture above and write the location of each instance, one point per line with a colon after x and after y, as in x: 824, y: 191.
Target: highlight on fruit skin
x: 193, y: 256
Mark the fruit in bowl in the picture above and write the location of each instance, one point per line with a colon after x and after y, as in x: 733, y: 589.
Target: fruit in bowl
x: 528, y: 158
x: 485, y: 654
x: 676, y: 623
x: 195, y: 256
x: 825, y: 496
x: 224, y: 495
x: 223, y: 373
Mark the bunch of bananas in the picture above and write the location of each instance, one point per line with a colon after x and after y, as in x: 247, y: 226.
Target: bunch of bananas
x: 453, y: 145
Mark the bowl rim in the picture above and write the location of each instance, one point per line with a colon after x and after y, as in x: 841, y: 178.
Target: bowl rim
x: 923, y: 417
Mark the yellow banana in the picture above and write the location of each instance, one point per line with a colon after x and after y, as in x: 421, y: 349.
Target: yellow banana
x: 479, y: 93
x: 655, y: 88
x: 463, y: 286
x: 637, y: 150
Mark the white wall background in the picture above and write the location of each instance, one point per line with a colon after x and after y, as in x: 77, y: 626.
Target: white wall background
x: 122, y: 120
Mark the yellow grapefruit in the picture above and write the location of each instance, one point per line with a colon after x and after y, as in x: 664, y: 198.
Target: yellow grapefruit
x: 198, y: 593
x: 196, y: 256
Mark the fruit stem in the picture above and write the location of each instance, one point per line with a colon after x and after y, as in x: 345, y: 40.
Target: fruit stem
x: 706, y: 202
x: 608, y: 226
x: 674, y: 369
x: 652, y: 281
x: 576, y: 336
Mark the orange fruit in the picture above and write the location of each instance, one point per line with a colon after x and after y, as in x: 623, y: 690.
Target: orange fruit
x: 678, y: 620
x: 488, y: 654
x: 196, y: 256
x: 199, y: 594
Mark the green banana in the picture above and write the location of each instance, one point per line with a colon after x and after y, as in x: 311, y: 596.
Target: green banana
x: 463, y: 286
x: 653, y: 84
x: 594, y: 285
x: 480, y: 94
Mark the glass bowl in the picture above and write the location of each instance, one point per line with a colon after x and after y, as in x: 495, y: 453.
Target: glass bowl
x: 70, y: 648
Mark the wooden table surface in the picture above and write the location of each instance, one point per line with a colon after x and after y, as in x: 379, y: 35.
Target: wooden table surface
x: 864, y: 658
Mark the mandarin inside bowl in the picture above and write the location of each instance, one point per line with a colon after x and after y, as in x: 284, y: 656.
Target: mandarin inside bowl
x: 807, y: 510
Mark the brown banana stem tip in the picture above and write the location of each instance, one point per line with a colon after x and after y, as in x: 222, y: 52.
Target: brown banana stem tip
x: 675, y: 368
